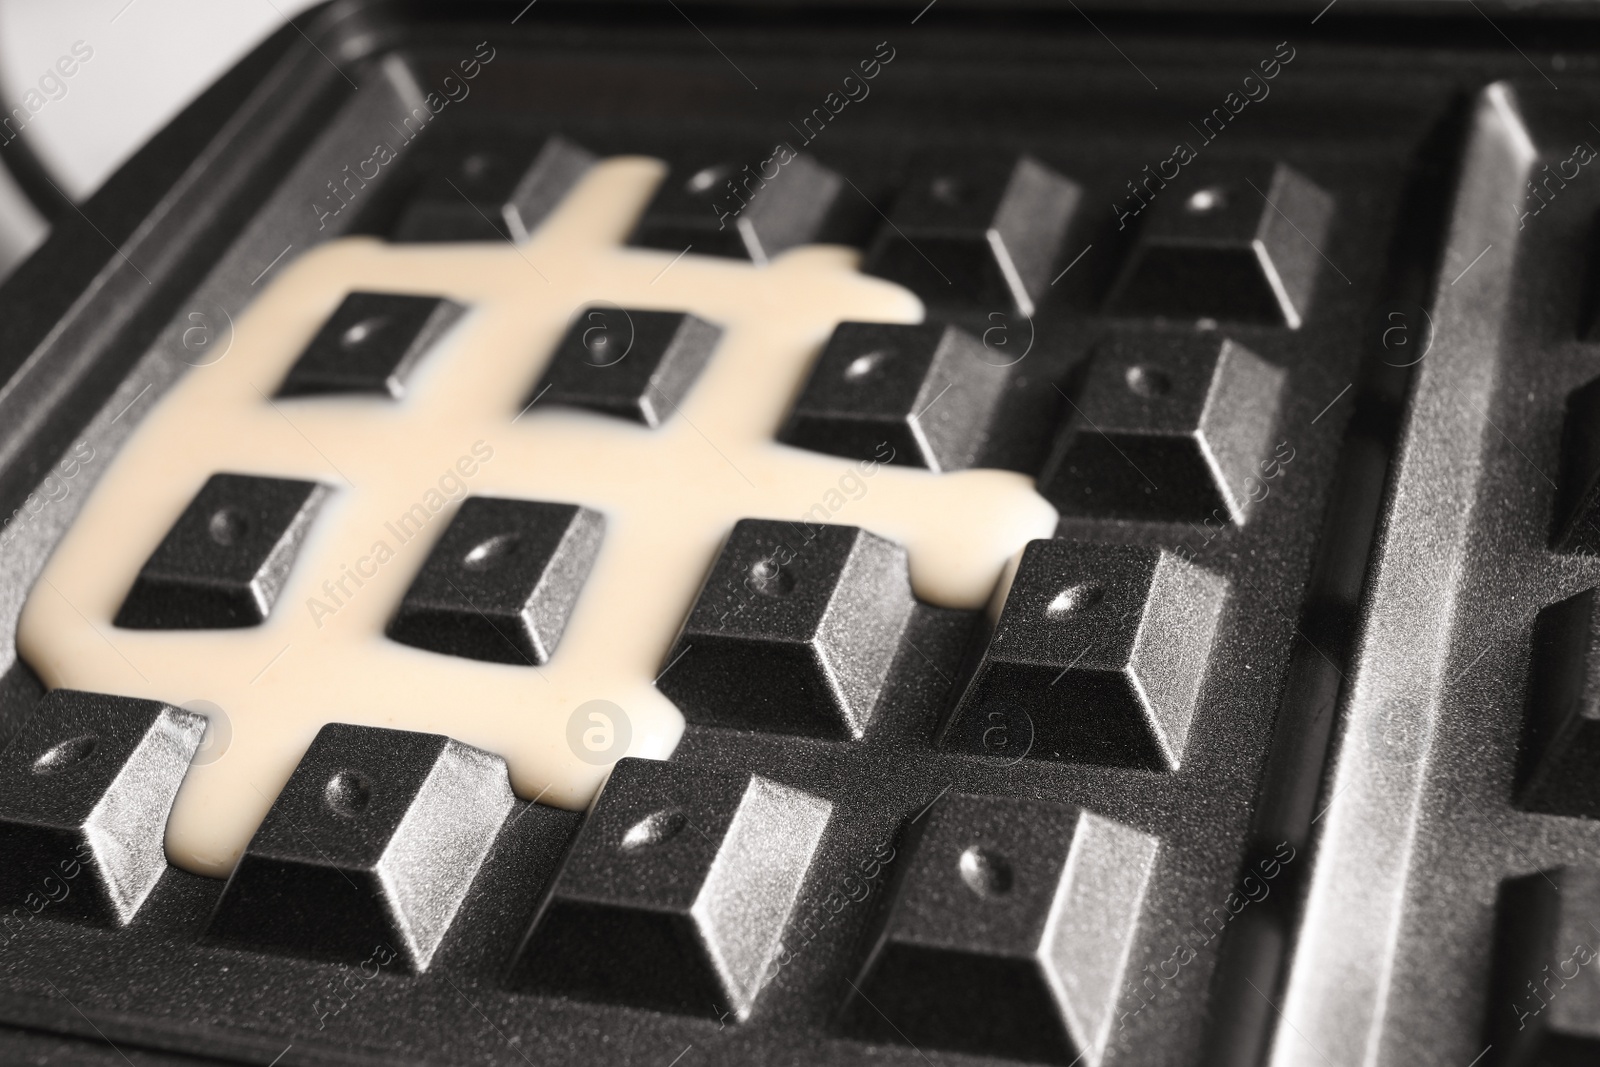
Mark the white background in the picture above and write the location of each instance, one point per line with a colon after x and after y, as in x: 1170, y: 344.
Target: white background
x: 151, y: 57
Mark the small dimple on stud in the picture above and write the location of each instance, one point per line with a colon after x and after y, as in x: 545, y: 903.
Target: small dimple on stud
x: 947, y: 190
x: 1074, y: 598
x: 1148, y: 382
x: 490, y: 552
x: 767, y: 577
x: 226, y: 526
x: 703, y: 181
x: 66, y: 754
x: 866, y: 365
x: 1205, y: 201
x: 348, y: 793
x: 653, y: 829
x: 362, y: 332
x: 601, y: 345
x: 985, y: 873
x: 597, y: 346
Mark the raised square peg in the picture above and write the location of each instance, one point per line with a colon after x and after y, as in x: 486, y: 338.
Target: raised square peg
x: 374, y: 841
x: 1167, y: 427
x: 634, y: 364
x: 675, y: 892
x: 370, y: 345
x: 1103, y: 648
x: 226, y: 559
x: 752, y: 207
x: 493, y: 193
x: 86, y: 786
x: 793, y: 632
x: 501, y: 582
x: 929, y: 392
x: 1562, y: 732
x: 982, y: 231
x: 1544, y: 1008
x: 1008, y: 934
x: 1237, y: 242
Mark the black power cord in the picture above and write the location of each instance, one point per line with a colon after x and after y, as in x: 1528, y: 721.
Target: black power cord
x: 34, y: 179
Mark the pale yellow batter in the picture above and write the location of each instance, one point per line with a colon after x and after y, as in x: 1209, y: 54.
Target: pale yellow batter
x: 670, y: 496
